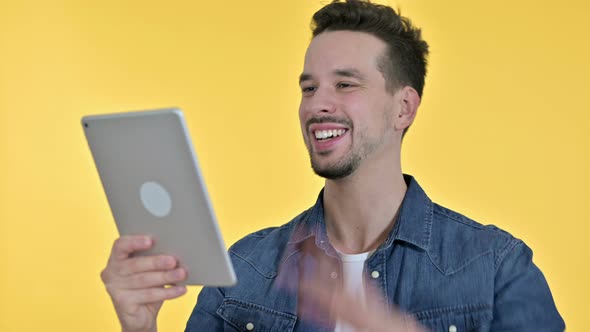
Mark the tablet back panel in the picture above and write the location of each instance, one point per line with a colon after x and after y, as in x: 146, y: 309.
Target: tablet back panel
x: 153, y: 184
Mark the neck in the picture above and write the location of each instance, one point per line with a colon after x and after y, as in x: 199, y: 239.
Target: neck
x: 361, y: 209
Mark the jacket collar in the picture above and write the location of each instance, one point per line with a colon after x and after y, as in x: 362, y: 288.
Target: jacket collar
x: 413, y: 225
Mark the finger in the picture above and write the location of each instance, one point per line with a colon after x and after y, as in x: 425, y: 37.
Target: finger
x: 157, y: 294
x: 154, y: 279
x: 366, y: 313
x: 338, y: 304
x: 124, y: 246
x: 371, y: 313
x: 376, y: 314
x: 319, y: 294
x: 346, y: 307
x: 316, y: 301
x: 142, y: 264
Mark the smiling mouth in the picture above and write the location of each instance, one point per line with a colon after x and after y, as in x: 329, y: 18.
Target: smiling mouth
x: 325, y: 135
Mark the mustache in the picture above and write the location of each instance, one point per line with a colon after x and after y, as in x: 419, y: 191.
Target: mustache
x: 330, y: 119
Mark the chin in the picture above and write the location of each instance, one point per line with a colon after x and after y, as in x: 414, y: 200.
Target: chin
x: 335, y: 171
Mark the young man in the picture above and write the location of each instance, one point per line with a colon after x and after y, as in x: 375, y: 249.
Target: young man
x: 374, y: 253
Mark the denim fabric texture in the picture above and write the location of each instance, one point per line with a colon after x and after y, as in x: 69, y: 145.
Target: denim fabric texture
x: 447, y: 271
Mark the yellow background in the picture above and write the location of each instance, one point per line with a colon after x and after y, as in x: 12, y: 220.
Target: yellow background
x: 502, y: 134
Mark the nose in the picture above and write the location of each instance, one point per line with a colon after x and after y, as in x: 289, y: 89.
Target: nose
x: 322, y: 101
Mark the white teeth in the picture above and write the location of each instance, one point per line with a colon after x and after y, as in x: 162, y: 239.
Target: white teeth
x: 323, y: 134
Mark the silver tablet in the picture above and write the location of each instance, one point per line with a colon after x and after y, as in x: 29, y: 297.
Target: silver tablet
x: 153, y: 184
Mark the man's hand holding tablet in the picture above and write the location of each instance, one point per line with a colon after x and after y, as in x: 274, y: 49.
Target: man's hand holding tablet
x: 137, y: 285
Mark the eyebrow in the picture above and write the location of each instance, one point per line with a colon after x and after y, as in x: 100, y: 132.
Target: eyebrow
x: 349, y: 72
x: 346, y: 72
x: 304, y: 77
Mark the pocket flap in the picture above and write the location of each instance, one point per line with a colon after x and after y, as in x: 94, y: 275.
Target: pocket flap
x: 473, y: 318
x: 247, y: 316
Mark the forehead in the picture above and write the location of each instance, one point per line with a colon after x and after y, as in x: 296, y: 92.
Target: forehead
x: 333, y: 50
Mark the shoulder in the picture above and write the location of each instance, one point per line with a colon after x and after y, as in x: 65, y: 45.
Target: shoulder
x: 456, y: 239
x: 263, y: 250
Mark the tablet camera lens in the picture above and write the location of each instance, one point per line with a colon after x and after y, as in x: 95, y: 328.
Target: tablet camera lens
x: 85, y: 125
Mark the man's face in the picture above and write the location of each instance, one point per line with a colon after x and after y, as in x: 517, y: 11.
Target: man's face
x: 346, y: 113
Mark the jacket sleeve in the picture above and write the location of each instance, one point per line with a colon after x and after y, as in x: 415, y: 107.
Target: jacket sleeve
x: 204, y: 316
x: 523, y: 301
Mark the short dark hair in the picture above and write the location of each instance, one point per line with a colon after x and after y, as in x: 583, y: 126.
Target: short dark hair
x: 406, y: 57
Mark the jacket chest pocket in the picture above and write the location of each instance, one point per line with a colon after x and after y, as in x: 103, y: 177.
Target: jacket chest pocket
x: 246, y: 316
x: 457, y: 319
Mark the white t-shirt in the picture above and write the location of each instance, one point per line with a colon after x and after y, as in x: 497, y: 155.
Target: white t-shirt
x: 352, y: 278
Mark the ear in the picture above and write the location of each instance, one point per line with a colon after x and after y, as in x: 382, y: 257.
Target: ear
x: 408, y: 100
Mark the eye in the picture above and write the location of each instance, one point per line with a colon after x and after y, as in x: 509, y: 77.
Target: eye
x: 344, y: 85
x: 308, y: 89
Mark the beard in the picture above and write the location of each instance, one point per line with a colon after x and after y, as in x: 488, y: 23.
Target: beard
x: 349, y: 163
x: 338, y: 170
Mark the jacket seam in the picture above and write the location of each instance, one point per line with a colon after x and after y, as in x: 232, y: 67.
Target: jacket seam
x: 461, y: 266
x: 472, y: 223
x: 270, y: 276
x: 251, y: 305
x: 432, y: 313
x: 508, y: 247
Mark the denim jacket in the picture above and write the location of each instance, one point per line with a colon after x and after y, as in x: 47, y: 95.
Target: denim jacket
x: 447, y: 271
